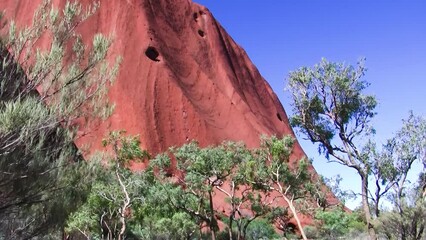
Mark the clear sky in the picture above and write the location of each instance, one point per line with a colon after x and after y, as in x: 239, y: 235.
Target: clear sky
x: 283, y: 35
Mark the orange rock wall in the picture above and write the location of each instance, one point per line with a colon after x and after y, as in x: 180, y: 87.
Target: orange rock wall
x: 202, y: 85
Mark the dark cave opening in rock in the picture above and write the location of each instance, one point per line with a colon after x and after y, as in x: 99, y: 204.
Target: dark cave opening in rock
x: 201, y: 33
x: 279, y: 117
x: 152, y: 53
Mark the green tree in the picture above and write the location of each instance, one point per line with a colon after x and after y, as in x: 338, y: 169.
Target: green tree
x: 407, y: 221
x: 204, y: 170
x: 261, y: 229
x: 330, y: 109
x: 204, y: 173
x: 337, y: 223
x: 272, y: 171
x: 402, y: 152
x: 43, y: 94
x: 123, y: 204
x: 392, y: 164
x: 114, y: 193
x: 246, y: 201
x: 158, y: 218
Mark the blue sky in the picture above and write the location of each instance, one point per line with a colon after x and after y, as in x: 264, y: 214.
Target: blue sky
x: 283, y: 35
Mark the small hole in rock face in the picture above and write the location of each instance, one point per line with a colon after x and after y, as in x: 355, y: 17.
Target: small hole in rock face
x: 195, y: 16
x: 201, y: 33
x: 279, y: 117
x: 152, y: 54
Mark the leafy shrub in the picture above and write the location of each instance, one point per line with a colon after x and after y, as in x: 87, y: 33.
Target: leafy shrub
x: 261, y: 229
x: 337, y: 223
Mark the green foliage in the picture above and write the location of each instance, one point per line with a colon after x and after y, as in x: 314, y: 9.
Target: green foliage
x: 277, y: 166
x: 311, y: 232
x: 407, y: 220
x: 37, y: 128
x: 270, y: 167
x: 205, y: 170
x: 337, y: 223
x: 125, y: 148
x: 24, y: 114
x: 155, y: 216
x: 115, y: 193
x: 103, y: 207
x: 396, y: 160
x: 407, y: 225
x: 271, y: 171
x: 261, y: 229
x: 247, y: 179
x: 178, y: 226
x: 123, y: 204
x: 330, y: 109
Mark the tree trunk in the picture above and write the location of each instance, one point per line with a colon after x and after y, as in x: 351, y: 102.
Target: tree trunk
x: 377, y: 200
x: 293, y: 211
x: 213, y: 234
x: 366, y: 207
x: 230, y: 226
x: 126, y: 203
x: 213, y: 222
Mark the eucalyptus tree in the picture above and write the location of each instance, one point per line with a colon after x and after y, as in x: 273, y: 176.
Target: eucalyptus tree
x: 202, y: 171
x: 331, y: 109
x: 115, y: 193
x: 205, y: 175
x: 44, y: 93
x: 404, y: 153
x: 126, y: 204
x: 394, y: 162
x: 274, y: 171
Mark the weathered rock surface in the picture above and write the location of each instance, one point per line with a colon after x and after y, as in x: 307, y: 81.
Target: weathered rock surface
x: 182, y: 76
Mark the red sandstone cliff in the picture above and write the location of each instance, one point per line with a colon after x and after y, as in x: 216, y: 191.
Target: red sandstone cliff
x: 201, y: 86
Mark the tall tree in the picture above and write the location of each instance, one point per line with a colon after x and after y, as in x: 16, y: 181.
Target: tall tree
x: 273, y: 171
x: 115, y: 192
x: 205, y: 170
x: 205, y: 173
x: 43, y: 94
x: 330, y: 109
x: 405, y: 151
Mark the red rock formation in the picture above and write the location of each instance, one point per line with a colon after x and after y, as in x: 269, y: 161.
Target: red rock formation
x: 201, y: 86
x: 183, y: 77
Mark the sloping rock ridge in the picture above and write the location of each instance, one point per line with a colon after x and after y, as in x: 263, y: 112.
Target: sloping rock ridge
x: 182, y: 77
